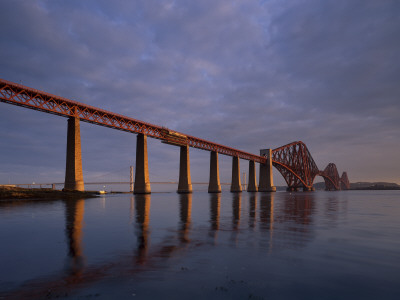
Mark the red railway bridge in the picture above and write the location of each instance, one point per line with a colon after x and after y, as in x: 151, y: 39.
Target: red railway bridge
x: 293, y: 160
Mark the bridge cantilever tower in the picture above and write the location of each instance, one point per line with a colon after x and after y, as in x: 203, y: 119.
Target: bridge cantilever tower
x: 293, y: 160
x: 344, y: 182
x: 331, y: 177
x: 299, y: 169
x: 16, y: 94
x: 296, y: 165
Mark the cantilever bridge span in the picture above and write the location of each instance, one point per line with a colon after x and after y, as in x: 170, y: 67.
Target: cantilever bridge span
x: 299, y: 169
x: 293, y: 161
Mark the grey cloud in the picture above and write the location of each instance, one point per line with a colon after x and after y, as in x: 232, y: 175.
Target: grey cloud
x: 243, y: 73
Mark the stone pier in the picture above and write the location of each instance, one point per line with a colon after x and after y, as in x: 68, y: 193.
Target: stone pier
x: 252, y: 186
x: 266, y: 177
x: 142, y: 181
x: 185, y: 182
x: 236, y: 185
x: 214, y: 185
x: 73, y: 170
x: 262, y: 186
x: 270, y: 178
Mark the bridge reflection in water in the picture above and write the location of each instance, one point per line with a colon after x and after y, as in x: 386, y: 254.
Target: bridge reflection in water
x: 74, y: 211
x: 142, y: 219
x: 272, y: 227
x: 185, y: 211
x: 215, y: 209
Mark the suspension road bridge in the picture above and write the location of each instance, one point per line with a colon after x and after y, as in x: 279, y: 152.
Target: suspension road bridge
x: 293, y: 160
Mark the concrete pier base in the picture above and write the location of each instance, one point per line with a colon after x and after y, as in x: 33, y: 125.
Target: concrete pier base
x: 142, y: 181
x: 214, y: 185
x: 252, y: 186
x: 270, y: 179
x: 266, y: 176
x: 291, y: 189
x: 185, y: 181
x: 73, y: 170
x: 262, y: 181
x: 306, y: 189
x: 236, y: 185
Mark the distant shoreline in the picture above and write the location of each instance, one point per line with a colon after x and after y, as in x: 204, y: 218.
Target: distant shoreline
x: 372, y: 188
x: 16, y: 193
x: 12, y: 193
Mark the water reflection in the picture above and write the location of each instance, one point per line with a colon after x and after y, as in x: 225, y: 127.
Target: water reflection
x: 331, y: 210
x: 252, y: 210
x: 294, y: 220
x: 285, y: 221
x: 267, y: 211
x: 236, y: 204
x: 267, y: 220
x: 236, y: 207
x: 131, y: 209
x: 142, y: 208
x: 215, y: 208
x: 185, y: 211
x: 297, y: 207
x: 74, y: 212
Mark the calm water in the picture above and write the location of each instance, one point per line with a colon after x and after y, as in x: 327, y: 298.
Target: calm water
x: 320, y: 245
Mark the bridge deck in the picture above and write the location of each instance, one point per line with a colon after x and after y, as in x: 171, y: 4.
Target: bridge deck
x: 17, y: 94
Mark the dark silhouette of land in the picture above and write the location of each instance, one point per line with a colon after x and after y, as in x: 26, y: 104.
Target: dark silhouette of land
x: 374, y: 186
x: 13, y: 193
x: 365, y: 186
x: 356, y: 186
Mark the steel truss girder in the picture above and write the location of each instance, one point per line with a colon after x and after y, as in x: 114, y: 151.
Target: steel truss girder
x: 16, y: 94
x: 344, y: 181
x: 296, y: 164
x: 331, y: 177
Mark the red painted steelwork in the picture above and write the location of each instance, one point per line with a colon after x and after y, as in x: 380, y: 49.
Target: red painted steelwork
x: 293, y: 160
x: 331, y: 177
x: 20, y: 95
x: 344, y: 181
x: 296, y: 164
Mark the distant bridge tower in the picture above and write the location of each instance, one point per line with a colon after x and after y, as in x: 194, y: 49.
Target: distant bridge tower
x: 344, y: 181
x: 331, y: 177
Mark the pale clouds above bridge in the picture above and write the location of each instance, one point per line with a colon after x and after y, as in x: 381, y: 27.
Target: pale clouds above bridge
x: 247, y: 74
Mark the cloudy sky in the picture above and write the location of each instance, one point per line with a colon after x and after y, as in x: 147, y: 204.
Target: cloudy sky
x: 246, y: 74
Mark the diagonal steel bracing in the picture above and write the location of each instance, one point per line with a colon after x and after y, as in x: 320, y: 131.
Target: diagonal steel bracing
x: 296, y: 164
x: 293, y: 160
x: 20, y: 95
